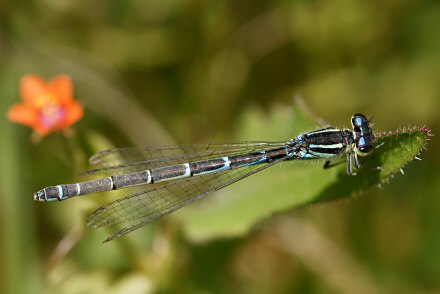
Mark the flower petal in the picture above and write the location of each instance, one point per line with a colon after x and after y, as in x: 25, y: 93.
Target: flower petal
x: 26, y: 115
x: 32, y: 86
x: 42, y: 130
x: 74, y: 112
x: 62, y: 87
x: 23, y: 114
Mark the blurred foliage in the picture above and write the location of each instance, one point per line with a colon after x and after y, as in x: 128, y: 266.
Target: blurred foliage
x: 187, y: 71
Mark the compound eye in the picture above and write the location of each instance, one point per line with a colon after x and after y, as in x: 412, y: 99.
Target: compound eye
x: 365, y: 149
x: 358, y: 121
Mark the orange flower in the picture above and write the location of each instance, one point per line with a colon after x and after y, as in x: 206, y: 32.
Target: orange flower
x: 47, y: 106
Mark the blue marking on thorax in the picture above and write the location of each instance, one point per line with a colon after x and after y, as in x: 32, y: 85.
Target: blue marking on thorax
x: 304, y: 154
x: 354, y: 135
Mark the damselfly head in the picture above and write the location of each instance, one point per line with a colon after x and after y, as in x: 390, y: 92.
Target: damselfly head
x: 364, y: 136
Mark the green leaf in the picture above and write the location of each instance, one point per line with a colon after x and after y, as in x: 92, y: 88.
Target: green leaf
x: 394, y: 150
x: 238, y: 208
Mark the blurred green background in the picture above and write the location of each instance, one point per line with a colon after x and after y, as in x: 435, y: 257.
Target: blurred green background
x: 161, y: 72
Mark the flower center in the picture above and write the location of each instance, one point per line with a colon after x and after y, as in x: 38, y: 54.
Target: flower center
x: 50, y: 110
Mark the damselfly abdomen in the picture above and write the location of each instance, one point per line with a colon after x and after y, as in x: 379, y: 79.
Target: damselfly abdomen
x: 176, y: 176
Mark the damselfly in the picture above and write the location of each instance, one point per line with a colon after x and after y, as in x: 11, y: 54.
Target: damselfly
x: 177, y: 176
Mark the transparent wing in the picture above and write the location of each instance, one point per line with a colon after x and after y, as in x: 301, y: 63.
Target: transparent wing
x: 146, y: 206
x: 125, y: 160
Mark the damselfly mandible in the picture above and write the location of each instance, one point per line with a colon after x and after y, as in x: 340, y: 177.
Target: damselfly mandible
x: 177, y: 176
